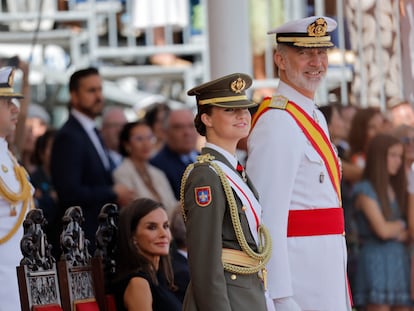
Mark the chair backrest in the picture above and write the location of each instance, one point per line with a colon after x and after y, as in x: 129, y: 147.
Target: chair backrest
x: 104, y: 263
x: 76, y: 279
x: 37, y: 275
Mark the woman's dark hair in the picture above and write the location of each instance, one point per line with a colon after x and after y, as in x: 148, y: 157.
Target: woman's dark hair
x: 177, y: 227
x: 152, y: 112
x: 199, y: 125
x: 41, y: 145
x: 359, y: 127
x: 129, y: 258
x: 125, y: 135
x: 377, y: 173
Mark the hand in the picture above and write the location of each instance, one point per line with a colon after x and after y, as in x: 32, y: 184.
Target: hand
x: 403, y: 236
x: 124, y: 194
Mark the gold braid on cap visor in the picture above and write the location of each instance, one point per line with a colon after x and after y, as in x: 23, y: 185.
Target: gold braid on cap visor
x: 304, y: 40
x: 225, y: 99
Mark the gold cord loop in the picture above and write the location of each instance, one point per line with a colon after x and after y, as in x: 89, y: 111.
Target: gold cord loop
x: 14, y: 198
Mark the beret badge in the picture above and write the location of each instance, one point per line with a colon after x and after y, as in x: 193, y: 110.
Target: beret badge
x: 238, y: 85
x: 318, y: 28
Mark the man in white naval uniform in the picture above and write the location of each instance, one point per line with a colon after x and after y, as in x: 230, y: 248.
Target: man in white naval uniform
x: 296, y: 172
x: 15, y: 197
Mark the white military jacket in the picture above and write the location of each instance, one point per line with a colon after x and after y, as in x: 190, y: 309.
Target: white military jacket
x: 10, y: 250
x: 289, y: 174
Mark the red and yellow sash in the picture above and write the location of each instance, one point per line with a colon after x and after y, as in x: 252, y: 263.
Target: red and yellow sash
x: 313, y: 132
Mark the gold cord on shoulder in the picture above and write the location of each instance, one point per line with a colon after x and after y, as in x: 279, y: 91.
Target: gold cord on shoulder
x: 183, y: 181
x: 265, y: 244
x: 19, y: 221
x: 22, y: 178
x: 14, y: 198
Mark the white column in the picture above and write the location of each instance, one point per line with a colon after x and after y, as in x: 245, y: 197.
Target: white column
x: 228, y: 37
x: 295, y: 9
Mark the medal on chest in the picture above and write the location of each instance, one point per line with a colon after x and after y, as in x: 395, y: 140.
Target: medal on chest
x: 13, y: 211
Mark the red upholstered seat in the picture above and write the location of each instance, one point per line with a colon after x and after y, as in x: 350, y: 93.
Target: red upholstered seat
x: 110, y: 302
x: 51, y: 307
x: 86, y: 305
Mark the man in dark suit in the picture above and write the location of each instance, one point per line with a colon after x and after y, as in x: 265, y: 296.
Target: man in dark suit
x: 179, y: 149
x: 80, y: 166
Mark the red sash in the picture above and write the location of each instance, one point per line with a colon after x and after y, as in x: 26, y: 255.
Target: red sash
x: 320, y: 221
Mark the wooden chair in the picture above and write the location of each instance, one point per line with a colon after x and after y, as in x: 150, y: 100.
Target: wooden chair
x: 77, y: 286
x: 103, y: 262
x: 37, y: 275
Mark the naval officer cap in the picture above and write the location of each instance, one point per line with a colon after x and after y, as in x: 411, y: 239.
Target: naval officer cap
x: 309, y: 32
x: 225, y: 92
x: 6, y: 83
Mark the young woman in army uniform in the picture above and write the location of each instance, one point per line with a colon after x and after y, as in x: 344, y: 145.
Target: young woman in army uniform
x: 228, y: 247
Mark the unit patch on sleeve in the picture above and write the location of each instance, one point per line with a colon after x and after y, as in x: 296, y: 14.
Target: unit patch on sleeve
x: 203, y: 196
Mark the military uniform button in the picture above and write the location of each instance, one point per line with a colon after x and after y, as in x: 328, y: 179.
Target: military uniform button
x: 244, y: 208
x: 233, y: 277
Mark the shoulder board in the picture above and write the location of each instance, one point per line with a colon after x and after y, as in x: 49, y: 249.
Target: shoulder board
x: 279, y: 102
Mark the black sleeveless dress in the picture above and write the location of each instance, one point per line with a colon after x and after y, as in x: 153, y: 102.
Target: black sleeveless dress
x: 162, y: 298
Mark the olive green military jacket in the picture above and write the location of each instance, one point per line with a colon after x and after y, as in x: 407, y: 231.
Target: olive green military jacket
x: 209, y: 230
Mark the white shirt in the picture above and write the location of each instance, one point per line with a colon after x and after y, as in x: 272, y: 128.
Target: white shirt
x: 229, y: 157
x: 89, y: 126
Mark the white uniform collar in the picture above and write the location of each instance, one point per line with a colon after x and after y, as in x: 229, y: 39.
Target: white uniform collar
x: 231, y: 158
x: 304, y: 102
x: 3, y: 144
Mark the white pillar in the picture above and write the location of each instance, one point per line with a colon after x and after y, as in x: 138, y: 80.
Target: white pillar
x: 228, y: 37
x: 295, y: 9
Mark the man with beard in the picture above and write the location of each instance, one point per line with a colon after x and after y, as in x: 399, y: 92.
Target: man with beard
x: 80, y: 165
x: 297, y: 174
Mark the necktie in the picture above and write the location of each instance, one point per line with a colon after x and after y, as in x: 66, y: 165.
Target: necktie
x: 241, y: 171
x: 109, y: 161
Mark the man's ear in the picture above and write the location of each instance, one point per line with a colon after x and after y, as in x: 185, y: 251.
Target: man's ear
x: 279, y: 60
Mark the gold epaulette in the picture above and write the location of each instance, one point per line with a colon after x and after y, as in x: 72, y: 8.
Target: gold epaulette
x: 279, y: 102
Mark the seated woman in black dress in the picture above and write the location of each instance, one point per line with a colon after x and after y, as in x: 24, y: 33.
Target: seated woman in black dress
x: 144, y: 275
